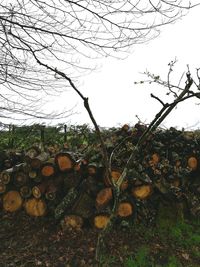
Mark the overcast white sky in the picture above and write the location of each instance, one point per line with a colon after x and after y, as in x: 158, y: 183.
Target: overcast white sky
x: 114, y: 97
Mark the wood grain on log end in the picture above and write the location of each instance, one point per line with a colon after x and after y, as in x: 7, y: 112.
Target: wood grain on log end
x: 64, y: 161
x: 142, y: 191
x: 72, y: 222
x: 12, y: 201
x: 115, y: 174
x: 125, y: 209
x: 101, y: 220
x: 192, y: 163
x: 103, y: 197
x: 35, y: 207
x: 5, y: 177
x: 47, y: 170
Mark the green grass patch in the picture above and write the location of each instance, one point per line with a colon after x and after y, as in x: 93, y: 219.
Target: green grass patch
x: 141, y: 258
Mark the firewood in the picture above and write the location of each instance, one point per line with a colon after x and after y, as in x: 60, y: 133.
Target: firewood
x: 142, y: 191
x: 40, y: 189
x: 31, y: 153
x: 71, y: 179
x: 5, y: 177
x: 64, y: 161
x: 155, y: 158
x: 47, y: 169
x: 84, y: 205
x: 36, y: 162
x: 20, y: 178
x: 115, y: 174
x: 103, y: 197
x: 51, y: 190
x: 101, y: 220
x: 35, y: 207
x: 72, y: 221
x: 35, y: 176
x: 48, y: 188
x: 32, y: 174
x: 12, y: 201
x: 125, y: 209
x: 192, y: 163
x: 25, y: 191
x: 2, y: 188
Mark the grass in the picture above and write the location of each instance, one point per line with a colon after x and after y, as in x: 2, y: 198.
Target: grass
x: 143, y: 259
x: 140, y: 259
x: 185, y: 235
x: 175, y: 243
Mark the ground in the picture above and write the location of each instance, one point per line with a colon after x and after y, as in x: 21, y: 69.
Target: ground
x: 27, y: 242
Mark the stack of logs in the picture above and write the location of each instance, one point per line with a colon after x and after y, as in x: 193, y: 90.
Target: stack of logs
x: 78, y: 191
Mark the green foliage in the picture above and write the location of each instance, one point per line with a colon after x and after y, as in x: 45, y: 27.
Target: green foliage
x: 141, y: 259
x: 173, y: 262
x: 185, y: 235
x: 21, y: 137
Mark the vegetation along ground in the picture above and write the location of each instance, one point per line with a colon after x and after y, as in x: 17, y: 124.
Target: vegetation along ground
x: 166, y: 238
x: 27, y: 241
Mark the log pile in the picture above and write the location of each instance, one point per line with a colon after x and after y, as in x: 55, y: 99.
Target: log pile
x: 74, y: 188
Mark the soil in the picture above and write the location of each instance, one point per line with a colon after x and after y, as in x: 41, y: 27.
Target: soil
x: 27, y: 242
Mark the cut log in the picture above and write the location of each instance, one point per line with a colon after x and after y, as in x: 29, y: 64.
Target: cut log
x: 51, y: 190
x: 125, y: 209
x: 35, y: 207
x: 192, y: 163
x: 25, y: 191
x: 35, y: 176
x: 64, y: 161
x: 155, y: 159
x: 101, y: 220
x: 12, y: 201
x: 31, y: 153
x: 103, y: 197
x: 115, y: 174
x: 51, y: 195
x: 40, y: 189
x: 5, y: 177
x: 47, y: 169
x: 36, y: 162
x: 72, y: 222
x: 32, y: 174
x: 2, y: 188
x: 142, y: 191
x: 20, y: 178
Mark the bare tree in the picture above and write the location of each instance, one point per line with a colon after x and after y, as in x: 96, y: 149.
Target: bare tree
x: 62, y: 34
